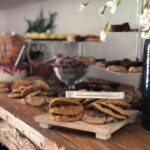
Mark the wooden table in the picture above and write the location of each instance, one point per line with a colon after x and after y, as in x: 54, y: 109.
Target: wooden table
x: 130, y: 137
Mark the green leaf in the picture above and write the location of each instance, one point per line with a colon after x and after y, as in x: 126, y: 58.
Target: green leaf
x: 106, y: 27
x: 118, y: 3
x: 42, y: 24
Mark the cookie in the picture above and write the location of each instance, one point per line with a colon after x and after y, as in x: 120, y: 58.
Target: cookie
x: 67, y: 110
x: 63, y: 118
x: 29, y: 89
x: 100, y: 64
x: 22, y: 88
x: 35, y: 93
x: 62, y: 101
x: 19, y: 83
x: 117, y: 68
x: 97, y: 118
x: 15, y: 95
x: 106, y: 110
x: 133, y: 69
x: 117, y: 109
x: 119, y: 102
x: 5, y: 89
x: 86, y: 102
x: 16, y: 91
x: 45, y: 93
x: 4, y: 84
x: 42, y: 85
x: 35, y: 100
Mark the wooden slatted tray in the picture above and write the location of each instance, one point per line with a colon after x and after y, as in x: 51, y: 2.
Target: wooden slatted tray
x: 101, y: 131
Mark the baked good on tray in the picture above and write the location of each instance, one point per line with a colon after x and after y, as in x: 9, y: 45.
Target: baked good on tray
x: 117, y: 68
x: 133, y: 69
x: 123, y: 66
x: 66, y: 110
x: 95, y: 117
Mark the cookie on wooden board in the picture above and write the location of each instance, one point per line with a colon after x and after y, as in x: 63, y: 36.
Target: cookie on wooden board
x: 67, y: 110
x: 64, y: 118
x: 60, y: 101
x: 117, y: 68
x: 94, y: 117
x: 107, y: 111
x: 117, y: 109
x: 35, y: 100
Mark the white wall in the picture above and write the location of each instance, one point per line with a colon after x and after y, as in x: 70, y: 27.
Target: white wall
x: 3, y: 26
x: 69, y: 19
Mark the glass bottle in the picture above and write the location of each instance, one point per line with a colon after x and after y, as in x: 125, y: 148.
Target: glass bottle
x: 146, y: 86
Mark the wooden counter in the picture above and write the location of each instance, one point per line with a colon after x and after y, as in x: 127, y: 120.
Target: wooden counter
x: 130, y: 137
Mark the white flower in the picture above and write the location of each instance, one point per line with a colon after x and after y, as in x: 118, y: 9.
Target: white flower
x: 113, y: 5
x: 145, y: 35
x: 103, y: 35
x: 83, y: 6
x: 144, y: 20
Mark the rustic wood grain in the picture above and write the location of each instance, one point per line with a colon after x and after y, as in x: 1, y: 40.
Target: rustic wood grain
x: 101, y: 131
x: 130, y: 137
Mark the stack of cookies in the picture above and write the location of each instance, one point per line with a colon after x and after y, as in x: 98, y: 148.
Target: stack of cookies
x: 31, y: 91
x: 5, y: 86
x: 122, y: 66
x: 106, y: 111
x: 65, y: 110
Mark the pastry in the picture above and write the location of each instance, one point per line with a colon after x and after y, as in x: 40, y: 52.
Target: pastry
x: 29, y: 89
x: 63, y: 109
x: 67, y: 110
x: 100, y: 64
x: 117, y: 109
x: 43, y: 36
x: 63, y: 118
x: 42, y: 85
x: 104, y: 109
x: 3, y: 90
x: 91, y: 38
x: 86, y: 102
x: 35, y: 93
x: 19, y: 83
x: 15, y: 95
x: 71, y: 38
x: 35, y: 100
x: 117, y: 68
x: 4, y: 84
x: 125, y: 62
x: 135, y: 69
x: 63, y: 101
x: 16, y: 91
x: 119, y: 102
x: 94, y: 117
x: 64, y: 106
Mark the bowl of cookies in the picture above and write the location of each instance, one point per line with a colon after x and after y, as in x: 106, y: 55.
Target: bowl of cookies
x: 71, y: 70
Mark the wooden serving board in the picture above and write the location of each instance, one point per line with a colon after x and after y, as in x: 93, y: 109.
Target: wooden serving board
x: 101, y: 131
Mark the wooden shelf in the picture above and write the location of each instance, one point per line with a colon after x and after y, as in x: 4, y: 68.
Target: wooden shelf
x: 22, y: 118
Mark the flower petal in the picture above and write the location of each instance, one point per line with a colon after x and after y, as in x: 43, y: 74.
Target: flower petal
x: 82, y: 7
